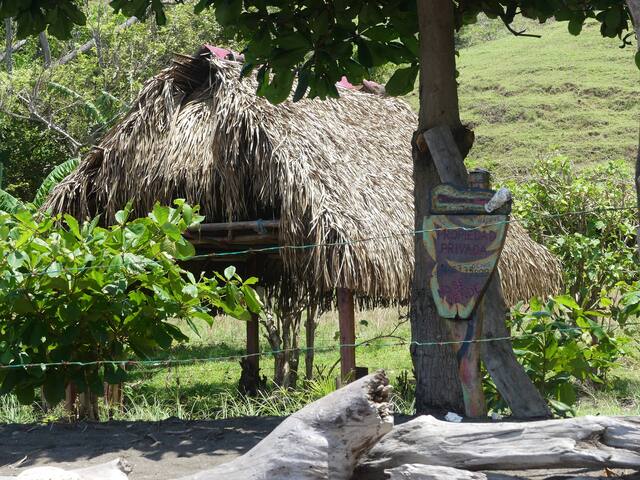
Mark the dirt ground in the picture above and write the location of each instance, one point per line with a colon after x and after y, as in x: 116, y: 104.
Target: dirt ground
x: 157, y: 450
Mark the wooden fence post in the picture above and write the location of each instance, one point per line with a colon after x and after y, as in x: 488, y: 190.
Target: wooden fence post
x: 346, y: 320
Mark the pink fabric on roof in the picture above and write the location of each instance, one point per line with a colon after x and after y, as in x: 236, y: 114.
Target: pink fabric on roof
x: 217, y: 51
x: 345, y: 83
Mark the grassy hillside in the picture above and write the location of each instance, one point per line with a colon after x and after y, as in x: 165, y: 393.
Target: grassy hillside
x: 529, y: 97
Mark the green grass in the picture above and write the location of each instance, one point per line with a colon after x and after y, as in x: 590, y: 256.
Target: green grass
x: 622, y: 399
x: 527, y: 98
x: 207, y: 389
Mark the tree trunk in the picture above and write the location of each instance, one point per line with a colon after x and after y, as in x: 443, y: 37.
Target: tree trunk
x: 294, y: 349
x: 274, y: 338
x: 310, y: 334
x: 437, y: 383
x: 88, y: 406
x: 581, y: 442
x: 8, y: 56
x: 46, y: 49
x: 634, y: 9
x: 283, y: 332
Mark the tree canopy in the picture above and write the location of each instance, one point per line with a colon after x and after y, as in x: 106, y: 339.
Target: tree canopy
x: 319, y: 41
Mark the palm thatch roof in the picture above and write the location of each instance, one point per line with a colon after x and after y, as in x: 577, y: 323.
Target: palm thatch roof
x: 333, y: 171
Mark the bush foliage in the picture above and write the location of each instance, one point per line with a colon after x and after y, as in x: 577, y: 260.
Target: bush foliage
x: 587, y: 219
x: 72, y: 292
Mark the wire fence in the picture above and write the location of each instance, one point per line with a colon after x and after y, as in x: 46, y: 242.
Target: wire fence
x: 301, y: 350
x: 168, y: 362
x: 309, y: 246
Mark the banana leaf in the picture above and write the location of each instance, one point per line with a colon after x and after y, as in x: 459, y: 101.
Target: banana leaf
x: 57, y: 175
x: 9, y: 203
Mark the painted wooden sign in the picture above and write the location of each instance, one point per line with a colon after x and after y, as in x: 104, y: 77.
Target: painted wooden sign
x: 464, y: 243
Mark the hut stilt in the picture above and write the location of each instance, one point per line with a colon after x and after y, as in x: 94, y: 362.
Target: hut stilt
x: 346, y: 320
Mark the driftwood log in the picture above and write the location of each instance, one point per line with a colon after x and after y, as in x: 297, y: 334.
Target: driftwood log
x: 578, y: 442
x: 323, y: 440
x: 117, y: 469
x: 330, y: 437
x: 430, y: 472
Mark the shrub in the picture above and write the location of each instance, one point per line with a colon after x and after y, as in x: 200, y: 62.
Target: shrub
x: 73, y: 292
x: 587, y: 218
x: 562, y: 346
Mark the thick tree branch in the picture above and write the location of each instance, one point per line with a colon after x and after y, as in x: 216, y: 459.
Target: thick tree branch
x: 46, y: 49
x: 35, y: 116
x: 85, y: 47
x: 16, y: 47
x: 8, y: 26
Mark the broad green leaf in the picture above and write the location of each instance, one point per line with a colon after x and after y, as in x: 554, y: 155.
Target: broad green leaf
x: 302, y: 86
x: 252, y: 299
x: 72, y: 223
x: 228, y: 11
x: 172, y: 231
x: 203, y: 316
x: 229, y: 272
x: 402, y: 81
x: 191, y: 290
x: 9, y: 203
x: 567, y: 301
x: 160, y: 214
x: 57, y: 175
x: 278, y: 89
x: 54, y: 387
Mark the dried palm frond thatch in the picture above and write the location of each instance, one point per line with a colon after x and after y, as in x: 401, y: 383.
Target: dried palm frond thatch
x: 335, y: 172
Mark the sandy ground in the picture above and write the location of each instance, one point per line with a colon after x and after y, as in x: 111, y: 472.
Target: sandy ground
x: 157, y: 450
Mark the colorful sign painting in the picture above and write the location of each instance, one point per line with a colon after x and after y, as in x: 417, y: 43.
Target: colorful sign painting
x: 463, y: 242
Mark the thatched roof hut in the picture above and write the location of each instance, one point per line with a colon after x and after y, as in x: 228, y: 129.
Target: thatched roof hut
x: 334, y: 172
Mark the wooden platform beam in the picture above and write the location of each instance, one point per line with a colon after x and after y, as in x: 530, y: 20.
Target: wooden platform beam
x: 255, y: 225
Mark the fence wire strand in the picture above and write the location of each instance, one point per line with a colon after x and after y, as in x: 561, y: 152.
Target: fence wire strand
x: 277, y: 248
x: 300, y: 350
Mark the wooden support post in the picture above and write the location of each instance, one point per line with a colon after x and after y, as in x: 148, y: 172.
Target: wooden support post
x: 346, y: 319
x: 250, y: 376
x: 468, y: 354
x: 310, y: 331
x: 250, y: 365
x: 253, y: 344
x: 70, y: 399
x: 450, y: 167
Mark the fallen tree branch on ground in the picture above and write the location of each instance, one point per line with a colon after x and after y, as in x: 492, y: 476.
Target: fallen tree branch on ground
x: 323, y: 440
x: 430, y: 472
x: 117, y: 469
x: 581, y: 442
